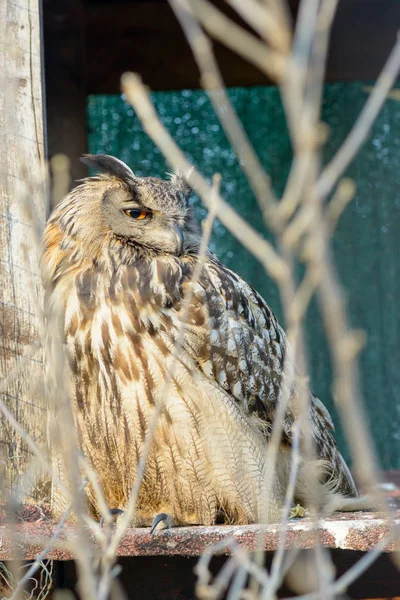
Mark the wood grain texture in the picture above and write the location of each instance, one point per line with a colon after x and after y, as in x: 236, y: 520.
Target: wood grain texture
x: 21, y: 168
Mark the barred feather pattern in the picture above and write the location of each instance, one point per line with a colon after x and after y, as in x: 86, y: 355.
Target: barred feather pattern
x: 121, y: 306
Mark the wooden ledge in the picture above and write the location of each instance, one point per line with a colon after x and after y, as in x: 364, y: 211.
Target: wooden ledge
x: 359, y: 531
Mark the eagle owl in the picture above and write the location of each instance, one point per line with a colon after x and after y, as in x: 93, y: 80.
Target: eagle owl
x: 118, y: 258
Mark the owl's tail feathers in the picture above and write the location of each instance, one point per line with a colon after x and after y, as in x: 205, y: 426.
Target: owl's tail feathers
x: 317, y: 486
x: 345, y: 481
x: 341, y: 503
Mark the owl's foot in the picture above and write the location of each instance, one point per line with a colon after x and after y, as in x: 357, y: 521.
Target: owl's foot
x: 161, y: 518
x: 298, y: 512
x: 114, y: 512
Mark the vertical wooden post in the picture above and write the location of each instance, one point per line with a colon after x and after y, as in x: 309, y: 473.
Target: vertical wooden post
x: 22, y: 152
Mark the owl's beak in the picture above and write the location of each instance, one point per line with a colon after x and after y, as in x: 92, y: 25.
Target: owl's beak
x: 179, y: 238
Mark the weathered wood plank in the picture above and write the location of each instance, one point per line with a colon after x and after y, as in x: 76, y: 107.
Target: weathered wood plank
x: 22, y: 153
x: 162, y: 565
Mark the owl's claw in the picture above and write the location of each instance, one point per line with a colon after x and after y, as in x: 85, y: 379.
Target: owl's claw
x: 160, y: 518
x: 115, y: 512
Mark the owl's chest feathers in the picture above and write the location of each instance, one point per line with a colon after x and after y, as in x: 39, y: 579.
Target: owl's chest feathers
x: 121, y: 327
x: 121, y: 330
x: 140, y: 294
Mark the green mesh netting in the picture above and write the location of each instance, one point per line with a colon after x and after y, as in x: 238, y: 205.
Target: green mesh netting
x: 367, y: 246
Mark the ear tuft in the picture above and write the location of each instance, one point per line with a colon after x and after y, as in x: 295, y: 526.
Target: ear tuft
x: 109, y: 165
x: 179, y: 183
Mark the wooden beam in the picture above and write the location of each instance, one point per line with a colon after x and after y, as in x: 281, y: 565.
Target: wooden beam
x: 144, y: 36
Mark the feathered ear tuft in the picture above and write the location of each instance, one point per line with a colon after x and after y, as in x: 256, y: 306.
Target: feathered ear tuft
x: 109, y: 165
x: 180, y: 183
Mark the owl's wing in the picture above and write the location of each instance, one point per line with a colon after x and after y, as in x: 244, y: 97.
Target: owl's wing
x: 246, y: 346
x: 244, y: 352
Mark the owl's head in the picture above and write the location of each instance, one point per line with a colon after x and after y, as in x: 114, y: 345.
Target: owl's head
x: 143, y: 211
x: 148, y: 211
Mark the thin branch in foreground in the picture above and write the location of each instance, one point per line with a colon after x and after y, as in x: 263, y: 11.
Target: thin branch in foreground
x: 240, y: 41
x: 138, y: 96
x: 279, y: 264
x: 126, y: 519
x: 362, y: 126
x: 266, y: 21
x: 212, y: 82
x: 344, y: 193
x: 340, y: 585
x: 39, y: 559
x: 276, y: 568
x: 32, y: 446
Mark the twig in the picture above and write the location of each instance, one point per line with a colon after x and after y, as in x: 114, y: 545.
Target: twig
x: 316, y: 65
x: 266, y: 21
x: 93, y: 480
x: 276, y: 568
x: 39, y: 559
x: 213, y: 83
x: 32, y: 446
x: 223, y: 29
x: 239, y: 557
x: 130, y: 509
x: 342, y: 583
x: 362, y: 126
x: 293, y: 81
x: 344, y: 193
x: 138, y: 96
x: 238, y: 583
x: 66, y: 444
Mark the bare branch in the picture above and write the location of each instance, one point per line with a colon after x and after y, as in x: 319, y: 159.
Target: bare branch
x: 130, y: 509
x: 266, y: 21
x: 344, y: 193
x: 362, y: 126
x: 212, y: 82
x: 223, y: 29
x: 138, y: 96
x: 39, y: 559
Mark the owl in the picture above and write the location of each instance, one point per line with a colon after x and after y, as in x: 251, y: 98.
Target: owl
x: 119, y: 253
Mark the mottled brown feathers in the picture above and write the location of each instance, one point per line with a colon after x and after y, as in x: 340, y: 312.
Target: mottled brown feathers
x: 121, y: 300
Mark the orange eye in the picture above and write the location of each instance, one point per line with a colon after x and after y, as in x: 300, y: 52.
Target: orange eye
x: 137, y: 213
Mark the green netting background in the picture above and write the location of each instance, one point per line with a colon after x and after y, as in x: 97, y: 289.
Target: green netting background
x: 367, y: 243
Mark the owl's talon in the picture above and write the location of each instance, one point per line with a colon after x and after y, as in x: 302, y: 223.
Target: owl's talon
x: 114, y: 512
x: 160, y: 518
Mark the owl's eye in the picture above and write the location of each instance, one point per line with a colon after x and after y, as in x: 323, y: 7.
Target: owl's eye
x: 137, y: 213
